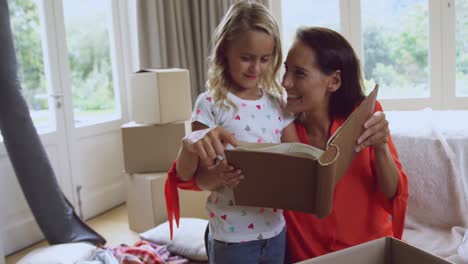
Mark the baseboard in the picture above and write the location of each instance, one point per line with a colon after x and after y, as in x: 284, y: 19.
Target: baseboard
x: 97, y: 202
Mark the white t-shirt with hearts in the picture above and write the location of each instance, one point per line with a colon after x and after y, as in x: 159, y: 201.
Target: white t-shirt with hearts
x: 259, y: 121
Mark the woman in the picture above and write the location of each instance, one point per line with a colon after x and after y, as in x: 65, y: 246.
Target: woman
x: 324, y: 86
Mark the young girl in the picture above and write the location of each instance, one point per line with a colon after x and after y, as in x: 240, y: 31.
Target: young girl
x: 244, y: 99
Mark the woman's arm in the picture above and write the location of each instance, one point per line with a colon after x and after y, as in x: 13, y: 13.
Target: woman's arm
x: 376, y: 134
x: 387, y: 171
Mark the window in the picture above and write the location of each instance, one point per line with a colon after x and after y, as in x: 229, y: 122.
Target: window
x: 396, y: 47
x: 26, y: 28
x: 300, y: 13
x: 461, y: 32
x: 416, y: 50
x: 67, y: 53
x: 89, y: 58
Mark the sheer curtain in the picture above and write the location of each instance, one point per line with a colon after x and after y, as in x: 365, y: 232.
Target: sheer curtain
x: 176, y: 33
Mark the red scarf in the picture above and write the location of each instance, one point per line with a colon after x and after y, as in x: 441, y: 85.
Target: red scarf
x: 172, y: 195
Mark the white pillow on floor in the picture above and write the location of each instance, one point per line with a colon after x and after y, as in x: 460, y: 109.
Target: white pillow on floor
x: 59, y: 254
x: 188, y: 239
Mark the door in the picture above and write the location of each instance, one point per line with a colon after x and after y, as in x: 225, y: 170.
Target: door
x: 71, y: 72
x: 93, y: 101
x: 33, y: 41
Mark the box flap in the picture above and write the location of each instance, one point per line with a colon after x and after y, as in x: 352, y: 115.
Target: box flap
x: 372, y: 252
x: 387, y: 250
x: 403, y: 253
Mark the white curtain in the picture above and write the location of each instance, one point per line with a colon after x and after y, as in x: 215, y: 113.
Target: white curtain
x: 176, y: 33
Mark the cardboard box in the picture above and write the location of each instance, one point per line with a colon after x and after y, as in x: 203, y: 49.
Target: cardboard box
x: 151, y: 148
x: 146, y: 202
x: 161, y: 96
x: 385, y: 250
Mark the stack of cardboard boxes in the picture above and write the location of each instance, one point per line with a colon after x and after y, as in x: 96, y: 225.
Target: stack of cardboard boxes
x: 161, y: 104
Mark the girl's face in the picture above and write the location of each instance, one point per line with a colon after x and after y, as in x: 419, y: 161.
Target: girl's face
x: 249, y: 57
x: 308, y: 88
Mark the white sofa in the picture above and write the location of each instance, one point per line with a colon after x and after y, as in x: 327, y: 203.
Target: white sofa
x: 432, y: 147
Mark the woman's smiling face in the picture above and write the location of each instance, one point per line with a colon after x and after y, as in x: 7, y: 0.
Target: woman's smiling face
x: 307, y: 86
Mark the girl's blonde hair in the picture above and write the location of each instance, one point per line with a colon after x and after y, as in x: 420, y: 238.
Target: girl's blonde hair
x: 241, y: 17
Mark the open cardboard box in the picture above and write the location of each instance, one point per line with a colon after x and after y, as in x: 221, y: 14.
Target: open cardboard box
x: 385, y: 250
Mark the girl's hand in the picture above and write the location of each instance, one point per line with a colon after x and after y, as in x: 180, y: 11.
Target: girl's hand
x: 228, y: 175
x: 221, y: 174
x: 208, y: 144
x: 376, y: 133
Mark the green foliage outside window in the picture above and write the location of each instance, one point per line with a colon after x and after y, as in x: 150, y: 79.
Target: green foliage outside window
x: 90, y: 64
x: 89, y: 59
x: 397, y: 57
x: 26, y: 36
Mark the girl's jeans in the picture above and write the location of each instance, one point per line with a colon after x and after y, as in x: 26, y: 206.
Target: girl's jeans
x: 270, y: 250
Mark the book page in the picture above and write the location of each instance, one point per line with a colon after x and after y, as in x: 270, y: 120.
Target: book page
x: 292, y: 149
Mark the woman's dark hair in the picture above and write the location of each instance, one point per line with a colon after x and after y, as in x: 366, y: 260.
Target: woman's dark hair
x: 333, y: 52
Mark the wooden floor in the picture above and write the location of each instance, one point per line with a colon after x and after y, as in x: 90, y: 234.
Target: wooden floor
x: 112, y: 225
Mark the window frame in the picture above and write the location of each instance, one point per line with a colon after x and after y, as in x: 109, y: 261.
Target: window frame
x: 442, y: 52
x: 57, y: 72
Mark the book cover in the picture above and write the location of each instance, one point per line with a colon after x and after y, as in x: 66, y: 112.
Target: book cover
x: 298, y: 176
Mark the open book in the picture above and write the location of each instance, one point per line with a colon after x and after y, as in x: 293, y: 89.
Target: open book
x: 298, y: 176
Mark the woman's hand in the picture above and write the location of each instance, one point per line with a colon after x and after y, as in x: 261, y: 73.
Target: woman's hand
x: 376, y: 133
x: 209, y: 144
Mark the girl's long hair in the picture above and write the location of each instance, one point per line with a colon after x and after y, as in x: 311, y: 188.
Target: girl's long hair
x: 241, y: 17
